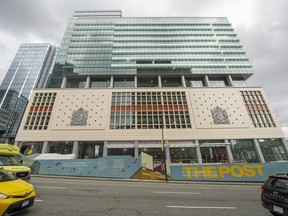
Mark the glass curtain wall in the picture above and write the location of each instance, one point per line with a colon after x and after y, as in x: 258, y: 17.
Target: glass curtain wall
x: 272, y: 149
x: 183, y: 155
x: 120, y: 151
x: 244, y: 151
x: 90, y: 150
x: 61, y: 147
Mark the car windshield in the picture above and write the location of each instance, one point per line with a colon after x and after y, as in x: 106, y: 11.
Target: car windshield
x: 6, y: 177
x: 6, y: 160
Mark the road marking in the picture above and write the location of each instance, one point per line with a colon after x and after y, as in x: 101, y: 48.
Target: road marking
x: 200, y: 207
x: 58, y: 188
x: 167, y: 192
x: 38, y: 200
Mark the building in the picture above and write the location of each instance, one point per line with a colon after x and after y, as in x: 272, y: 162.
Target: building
x: 120, y: 83
x: 28, y: 70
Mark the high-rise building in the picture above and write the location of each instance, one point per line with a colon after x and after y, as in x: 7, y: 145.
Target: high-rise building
x: 28, y: 70
x: 119, y: 83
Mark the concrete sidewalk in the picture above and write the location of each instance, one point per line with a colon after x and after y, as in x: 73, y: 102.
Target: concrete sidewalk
x: 144, y: 180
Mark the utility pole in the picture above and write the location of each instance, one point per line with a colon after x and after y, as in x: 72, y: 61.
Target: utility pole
x: 164, y: 151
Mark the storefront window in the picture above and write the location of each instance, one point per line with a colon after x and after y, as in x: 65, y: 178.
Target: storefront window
x: 214, y: 154
x: 61, y: 147
x: 90, y: 150
x: 272, y: 149
x: 121, y: 151
x: 156, y: 153
x: 244, y: 151
x: 35, y: 147
x: 183, y: 155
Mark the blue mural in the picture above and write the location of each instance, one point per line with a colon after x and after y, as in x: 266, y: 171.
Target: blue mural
x: 110, y: 167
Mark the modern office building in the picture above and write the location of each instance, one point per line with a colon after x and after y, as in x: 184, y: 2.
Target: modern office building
x: 28, y: 70
x: 120, y: 83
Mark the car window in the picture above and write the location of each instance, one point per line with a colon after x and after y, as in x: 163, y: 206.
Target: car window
x: 6, y: 177
x: 280, y: 183
x: 9, y: 161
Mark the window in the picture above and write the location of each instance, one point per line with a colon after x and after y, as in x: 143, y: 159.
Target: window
x: 61, y: 147
x: 257, y: 109
x: 147, y: 82
x: 244, y: 151
x: 214, y: 154
x: 272, y: 149
x: 183, y: 155
x: 121, y: 151
x: 171, y: 81
x: 40, y: 111
x: 124, y: 82
x: 218, y: 81
x: 76, y: 83
x: 90, y: 150
x: 149, y: 110
x: 194, y: 82
x: 100, y: 82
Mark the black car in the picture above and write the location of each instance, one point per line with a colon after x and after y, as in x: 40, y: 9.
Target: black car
x: 274, y: 194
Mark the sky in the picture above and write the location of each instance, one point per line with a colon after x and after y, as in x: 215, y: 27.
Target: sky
x: 261, y: 26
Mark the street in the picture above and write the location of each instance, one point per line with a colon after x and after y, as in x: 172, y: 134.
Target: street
x: 60, y: 196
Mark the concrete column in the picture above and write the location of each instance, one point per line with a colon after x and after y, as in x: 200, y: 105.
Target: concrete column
x: 206, y: 81
x: 183, y: 81
x: 258, y: 149
x: 168, y: 159
x: 136, y: 151
x: 111, y: 81
x: 159, y: 81
x: 285, y: 146
x: 229, y: 80
x: 229, y: 152
x: 198, y: 151
x: 105, y: 151
x: 64, y: 82
x: 45, y: 148
x: 135, y: 81
x: 167, y: 151
x: 75, y: 148
x: 88, y: 82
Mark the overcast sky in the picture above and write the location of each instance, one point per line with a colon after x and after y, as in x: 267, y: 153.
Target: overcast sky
x: 261, y: 26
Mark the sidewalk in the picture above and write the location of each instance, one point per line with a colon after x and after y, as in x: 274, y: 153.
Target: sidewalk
x: 150, y: 181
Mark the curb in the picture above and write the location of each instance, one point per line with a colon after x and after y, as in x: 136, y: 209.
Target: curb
x: 147, y: 181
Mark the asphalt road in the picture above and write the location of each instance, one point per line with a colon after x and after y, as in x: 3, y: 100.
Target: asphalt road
x: 57, y: 196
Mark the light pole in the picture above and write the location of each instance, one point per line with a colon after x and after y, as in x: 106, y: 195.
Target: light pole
x: 164, y: 151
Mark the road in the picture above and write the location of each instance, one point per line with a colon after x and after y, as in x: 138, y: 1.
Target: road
x: 69, y: 197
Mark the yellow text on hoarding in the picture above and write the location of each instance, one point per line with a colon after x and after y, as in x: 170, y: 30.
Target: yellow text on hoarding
x: 222, y: 171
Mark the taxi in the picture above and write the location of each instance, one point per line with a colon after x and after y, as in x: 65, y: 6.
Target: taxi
x: 16, y: 195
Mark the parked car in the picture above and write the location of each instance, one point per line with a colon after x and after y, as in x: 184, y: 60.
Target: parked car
x: 10, y: 163
x: 15, y: 194
x: 274, y: 194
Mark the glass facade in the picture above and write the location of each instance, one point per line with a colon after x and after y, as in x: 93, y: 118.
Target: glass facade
x: 90, y: 150
x: 244, y: 151
x: 101, y: 43
x: 28, y: 70
x: 183, y: 155
x: 273, y: 149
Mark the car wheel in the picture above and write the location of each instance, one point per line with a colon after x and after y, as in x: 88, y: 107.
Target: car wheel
x: 273, y: 213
